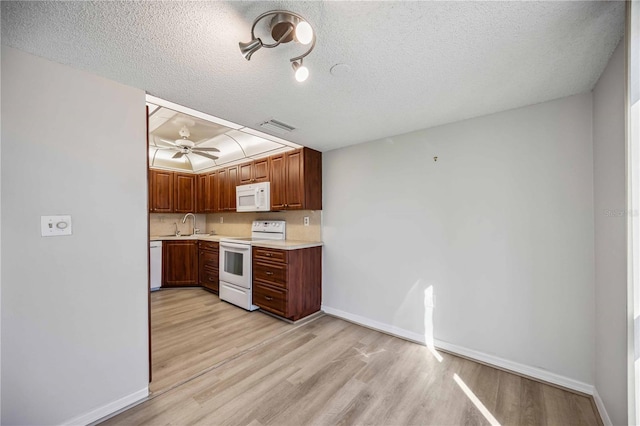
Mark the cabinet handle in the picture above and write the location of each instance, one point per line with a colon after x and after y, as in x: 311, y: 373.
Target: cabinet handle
x: 269, y: 273
x: 268, y: 297
x: 211, y: 279
x: 268, y: 254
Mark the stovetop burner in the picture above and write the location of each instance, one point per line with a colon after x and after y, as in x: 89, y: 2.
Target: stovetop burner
x: 248, y: 239
x: 261, y: 231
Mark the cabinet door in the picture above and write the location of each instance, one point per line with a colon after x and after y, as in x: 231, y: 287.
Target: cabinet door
x: 180, y: 263
x: 294, y: 187
x: 232, y: 182
x: 221, y: 204
x: 202, y: 190
x: 278, y: 174
x: 161, y: 191
x: 245, y: 174
x: 211, y: 199
x: 150, y: 190
x: 261, y: 170
x: 184, y: 197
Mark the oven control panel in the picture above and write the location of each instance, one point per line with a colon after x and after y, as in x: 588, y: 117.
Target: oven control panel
x: 277, y: 226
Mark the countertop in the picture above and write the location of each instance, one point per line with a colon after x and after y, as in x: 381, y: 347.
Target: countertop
x: 276, y: 244
x: 203, y: 237
x: 287, y: 244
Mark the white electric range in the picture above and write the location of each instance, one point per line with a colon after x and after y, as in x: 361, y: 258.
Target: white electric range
x: 236, y: 276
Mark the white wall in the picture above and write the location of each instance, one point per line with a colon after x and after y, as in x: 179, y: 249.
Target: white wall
x: 610, y: 238
x: 74, y: 318
x: 500, y: 229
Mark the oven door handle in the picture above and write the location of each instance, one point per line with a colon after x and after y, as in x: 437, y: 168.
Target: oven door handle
x: 235, y: 246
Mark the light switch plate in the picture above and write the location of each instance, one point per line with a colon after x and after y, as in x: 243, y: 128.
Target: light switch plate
x: 54, y: 226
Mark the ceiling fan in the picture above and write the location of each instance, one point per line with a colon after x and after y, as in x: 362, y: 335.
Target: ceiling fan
x: 185, y: 146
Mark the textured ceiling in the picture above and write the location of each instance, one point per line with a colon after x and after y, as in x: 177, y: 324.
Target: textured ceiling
x: 412, y: 65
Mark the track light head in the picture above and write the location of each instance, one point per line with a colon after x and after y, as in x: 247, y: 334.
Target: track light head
x: 249, y: 48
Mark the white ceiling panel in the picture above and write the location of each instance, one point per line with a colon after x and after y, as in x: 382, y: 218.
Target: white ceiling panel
x: 252, y: 145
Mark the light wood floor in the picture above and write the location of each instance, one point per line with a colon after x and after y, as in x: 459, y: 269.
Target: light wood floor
x: 329, y: 371
x: 192, y: 330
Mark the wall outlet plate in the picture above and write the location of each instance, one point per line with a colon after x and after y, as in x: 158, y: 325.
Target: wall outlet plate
x: 306, y: 221
x: 55, y: 226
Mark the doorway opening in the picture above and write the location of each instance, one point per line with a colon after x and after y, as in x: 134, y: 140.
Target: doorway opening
x: 191, y: 330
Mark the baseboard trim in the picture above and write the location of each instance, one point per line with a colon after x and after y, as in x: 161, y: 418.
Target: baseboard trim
x: 108, y: 409
x: 606, y: 420
x: 505, y: 364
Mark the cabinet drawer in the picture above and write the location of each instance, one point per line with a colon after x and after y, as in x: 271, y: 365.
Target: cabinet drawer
x: 209, y: 259
x: 272, y: 255
x: 270, y: 299
x: 272, y: 273
x: 208, y: 245
x: 209, y: 278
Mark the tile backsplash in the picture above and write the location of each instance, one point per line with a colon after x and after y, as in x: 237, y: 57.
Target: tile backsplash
x: 239, y: 224
x: 163, y: 223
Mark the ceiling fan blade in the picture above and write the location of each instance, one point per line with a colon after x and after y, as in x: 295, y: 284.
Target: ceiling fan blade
x: 168, y: 142
x: 202, y: 148
x: 178, y: 154
x: 210, y: 157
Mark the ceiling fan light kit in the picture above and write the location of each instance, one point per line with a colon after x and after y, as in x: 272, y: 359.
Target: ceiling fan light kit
x: 284, y: 27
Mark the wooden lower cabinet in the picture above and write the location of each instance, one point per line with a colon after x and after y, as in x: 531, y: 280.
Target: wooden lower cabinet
x: 179, y: 263
x: 208, y: 259
x: 271, y: 299
x: 288, y: 283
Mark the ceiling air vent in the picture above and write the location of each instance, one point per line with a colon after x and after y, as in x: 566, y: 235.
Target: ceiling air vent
x: 277, y: 126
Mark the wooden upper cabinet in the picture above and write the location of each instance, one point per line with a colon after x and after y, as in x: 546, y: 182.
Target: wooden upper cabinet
x: 172, y: 192
x: 220, y: 203
x: 254, y: 172
x: 206, y: 193
x: 295, y: 176
x: 278, y: 179
x: 245, y: 174
x: 211, y: 201
x: 184, y: 193
x: 232, y: 182
x: 202, y: 191
x: 296, y: 180
x: 161, y: 191
x: 261, y: 170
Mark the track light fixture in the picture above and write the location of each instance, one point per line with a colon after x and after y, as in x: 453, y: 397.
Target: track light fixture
x: 284, y: 26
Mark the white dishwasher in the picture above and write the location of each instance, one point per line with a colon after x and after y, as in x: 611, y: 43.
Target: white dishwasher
x: 155, y: 260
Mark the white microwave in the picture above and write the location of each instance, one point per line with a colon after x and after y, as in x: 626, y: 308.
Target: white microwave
x: 255, y: 197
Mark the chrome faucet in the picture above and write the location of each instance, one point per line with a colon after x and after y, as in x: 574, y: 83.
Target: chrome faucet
x: 193, y: 217
x: 177, y: 231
